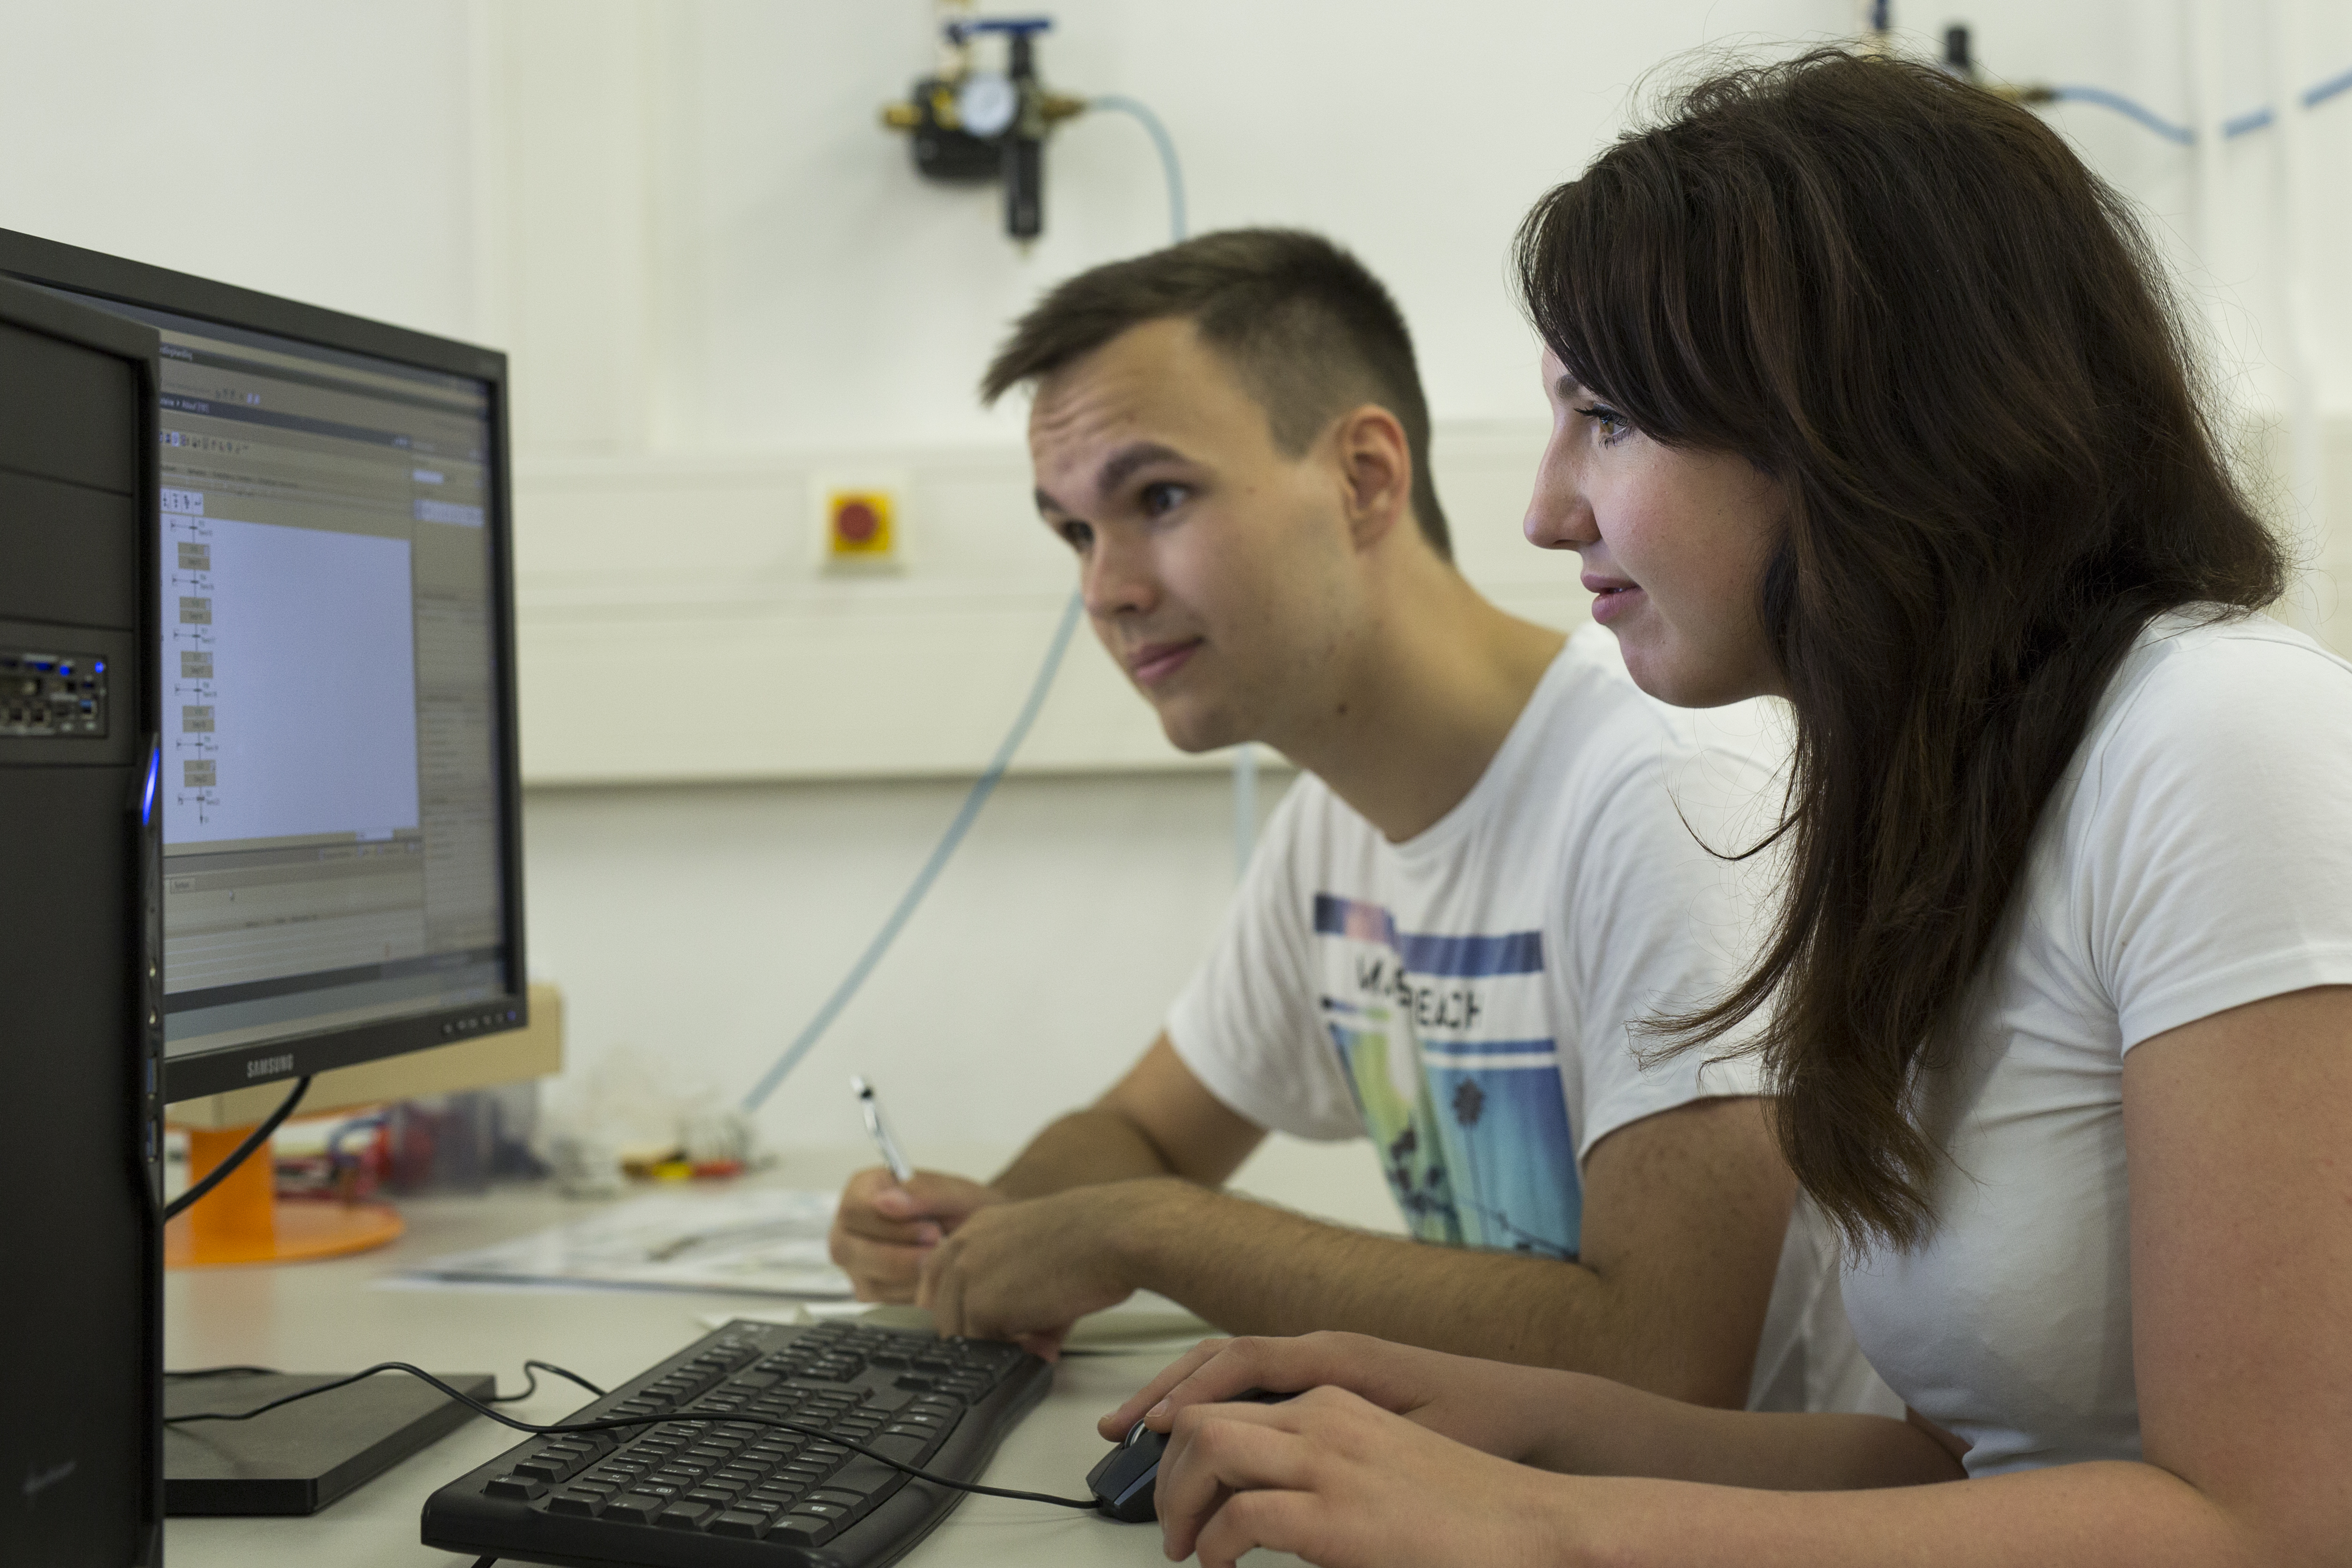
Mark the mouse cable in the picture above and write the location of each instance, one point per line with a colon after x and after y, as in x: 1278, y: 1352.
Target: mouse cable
x: 531, y: 1371
x: 237, y: 1156
x: 616, y: 1423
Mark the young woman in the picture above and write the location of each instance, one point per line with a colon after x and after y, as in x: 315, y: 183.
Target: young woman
x: 1867, y: 394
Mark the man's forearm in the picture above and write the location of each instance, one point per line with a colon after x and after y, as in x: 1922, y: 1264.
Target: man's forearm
x: 1254, y: 1269
x: 1081, y: 1149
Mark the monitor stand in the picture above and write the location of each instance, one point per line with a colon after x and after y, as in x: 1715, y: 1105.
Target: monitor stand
x: 299, y: 1459
x: 241, y: 1221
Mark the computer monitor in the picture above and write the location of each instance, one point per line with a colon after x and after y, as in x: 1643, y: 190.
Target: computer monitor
x: 339, y: 780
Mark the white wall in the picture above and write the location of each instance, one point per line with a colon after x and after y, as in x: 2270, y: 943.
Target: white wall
x: 322, y: 152
x: 718, y: 277
x: 704, y: 925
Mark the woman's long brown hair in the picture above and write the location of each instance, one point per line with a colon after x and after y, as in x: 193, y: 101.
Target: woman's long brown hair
x: 1912, y: 303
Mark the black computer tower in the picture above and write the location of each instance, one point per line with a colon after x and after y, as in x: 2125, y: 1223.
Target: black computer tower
x: 80, y: 1038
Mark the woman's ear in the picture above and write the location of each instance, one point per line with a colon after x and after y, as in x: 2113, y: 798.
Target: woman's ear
x: 1375, y: 472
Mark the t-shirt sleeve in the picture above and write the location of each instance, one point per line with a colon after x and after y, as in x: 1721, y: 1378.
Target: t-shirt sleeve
x: 1652, y: 922
x: 2215, y: 866
x: 1247, y: 1024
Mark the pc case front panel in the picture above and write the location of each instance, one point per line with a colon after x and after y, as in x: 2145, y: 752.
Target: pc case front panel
x: 80, y: 1238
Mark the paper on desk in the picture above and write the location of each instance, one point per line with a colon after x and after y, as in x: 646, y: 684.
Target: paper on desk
x: 765, y: 1242
x: 1144, y: 1324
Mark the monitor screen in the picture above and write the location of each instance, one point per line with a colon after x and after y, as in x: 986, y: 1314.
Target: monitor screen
x: 340, y: 871
x: 329, y: 783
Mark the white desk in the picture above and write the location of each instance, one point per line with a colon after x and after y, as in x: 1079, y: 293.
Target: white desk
x: 333, y: 1317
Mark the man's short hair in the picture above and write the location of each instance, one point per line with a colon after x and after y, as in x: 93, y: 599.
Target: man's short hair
x: 1305, y: 327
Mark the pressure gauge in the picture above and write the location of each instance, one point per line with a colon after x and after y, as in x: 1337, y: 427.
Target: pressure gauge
x: 988, y: 103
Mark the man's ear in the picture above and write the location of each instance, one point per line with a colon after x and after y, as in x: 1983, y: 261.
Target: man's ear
x: 1375, y: 463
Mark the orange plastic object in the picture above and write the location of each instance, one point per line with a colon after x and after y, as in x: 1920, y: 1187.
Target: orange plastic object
x: 241, y: 1221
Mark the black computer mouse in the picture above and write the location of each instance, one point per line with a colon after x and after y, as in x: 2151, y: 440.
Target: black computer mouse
x: 1125, y: 1482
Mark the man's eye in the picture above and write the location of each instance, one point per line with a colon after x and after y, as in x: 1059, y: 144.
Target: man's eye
x: 1078, y: 535
x: 1161, y: 496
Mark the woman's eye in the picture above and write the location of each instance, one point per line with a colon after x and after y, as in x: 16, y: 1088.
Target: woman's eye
x: 1161, y: 496
x: 1078, y: 534
x: 1614, y: 426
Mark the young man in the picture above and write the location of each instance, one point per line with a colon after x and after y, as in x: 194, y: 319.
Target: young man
x: 1453, y: 924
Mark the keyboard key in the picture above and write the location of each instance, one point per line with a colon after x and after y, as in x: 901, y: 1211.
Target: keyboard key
x: 520, y: 1488
x: 586, y: 1504
x: 992, y: 1352
x: 797, y: 1529
x: 541, y: 1470
x: 738, y: 1522
x: 685, y: 1513
x: 836, y: 1496
x: 820, y: 1510
x: 636, y: 1507
x: 865, y: 1477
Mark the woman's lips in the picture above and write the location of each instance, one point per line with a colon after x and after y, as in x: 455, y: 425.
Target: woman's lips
x: 1155, y: 662
x: 1612, y: 600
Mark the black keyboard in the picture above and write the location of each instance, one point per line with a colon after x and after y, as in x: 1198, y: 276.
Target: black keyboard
x: 687, y: 1494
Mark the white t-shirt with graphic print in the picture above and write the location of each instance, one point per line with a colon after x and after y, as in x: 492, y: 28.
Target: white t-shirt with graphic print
x: 1467, y: 998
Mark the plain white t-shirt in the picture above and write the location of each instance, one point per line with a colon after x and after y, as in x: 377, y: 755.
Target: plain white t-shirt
x: 2196, y: 856
x: 1466, y: 998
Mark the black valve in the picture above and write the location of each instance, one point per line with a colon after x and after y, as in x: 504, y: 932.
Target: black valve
x: 967, y: 126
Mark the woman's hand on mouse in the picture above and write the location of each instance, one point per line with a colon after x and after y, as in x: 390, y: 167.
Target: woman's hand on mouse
x: 1343, y: 1483
x: 1487, y: 1404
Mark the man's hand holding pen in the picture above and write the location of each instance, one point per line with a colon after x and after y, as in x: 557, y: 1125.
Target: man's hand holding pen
x: 885, y: 1229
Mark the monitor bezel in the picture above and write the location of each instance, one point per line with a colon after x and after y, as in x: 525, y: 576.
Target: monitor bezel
x: 53, y: 264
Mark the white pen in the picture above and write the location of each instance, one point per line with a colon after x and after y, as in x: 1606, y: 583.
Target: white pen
x: 872, y: 1107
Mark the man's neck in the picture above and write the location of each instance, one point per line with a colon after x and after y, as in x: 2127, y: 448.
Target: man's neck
x: 1427, y: 698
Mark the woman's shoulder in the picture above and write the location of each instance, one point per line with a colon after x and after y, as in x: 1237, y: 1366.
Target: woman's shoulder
x: 2208, y: 676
